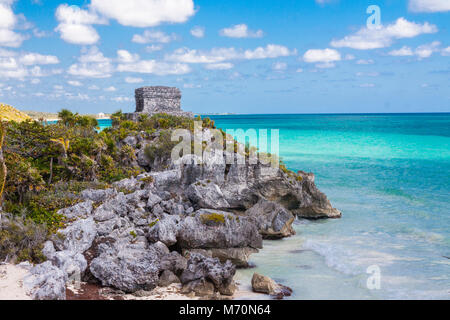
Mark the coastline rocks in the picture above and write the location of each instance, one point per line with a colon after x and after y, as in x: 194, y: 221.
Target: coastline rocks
x: 241, y: 185
x: 238, y: 256
x: 263, y: 284
x: 83, y: 209
x: 316, y: 204
x: 77, y: 237
x: 207, y: 195
x: 45, y: 282
x: 72, y: 264
x: 273, y: 220
x: 167, y: 278
x: 203, y: 273
x: 128, y: 267
x: 208, y: 229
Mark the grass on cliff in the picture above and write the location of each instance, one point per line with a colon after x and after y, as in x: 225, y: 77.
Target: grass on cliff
x: 50, y: 164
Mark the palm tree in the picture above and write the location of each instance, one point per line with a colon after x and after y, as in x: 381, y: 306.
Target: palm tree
x: 67, y: 117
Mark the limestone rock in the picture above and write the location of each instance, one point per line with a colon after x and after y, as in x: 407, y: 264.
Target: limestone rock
x: 98, y: 195
x: 167, y: 278
x: 217, y: 229
x: 83, y: 209
x: 274, y: 221
x: 72, y: 264
x: 45, y: 282
x: 128, y: 267
x: 263, y: 284
x: 77, y: 237
x: 207, y: 195
x: 200, y: 267
x: 201, y: 288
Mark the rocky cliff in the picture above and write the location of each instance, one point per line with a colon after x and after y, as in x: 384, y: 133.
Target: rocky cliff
x: 191, y: 223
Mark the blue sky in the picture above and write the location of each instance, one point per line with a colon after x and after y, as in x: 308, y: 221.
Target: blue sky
x: 309, y: 56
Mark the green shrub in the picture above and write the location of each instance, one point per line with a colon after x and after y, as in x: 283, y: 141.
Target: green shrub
x: 21, y: 239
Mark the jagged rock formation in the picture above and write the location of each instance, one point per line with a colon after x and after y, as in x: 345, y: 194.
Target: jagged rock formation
x: 158, y: 99
x: 192, y: 223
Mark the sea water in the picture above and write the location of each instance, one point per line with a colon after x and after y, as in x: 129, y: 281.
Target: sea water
x: 390, y: 177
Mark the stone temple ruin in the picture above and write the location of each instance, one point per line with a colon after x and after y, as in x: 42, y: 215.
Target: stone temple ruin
x: 153, y: 100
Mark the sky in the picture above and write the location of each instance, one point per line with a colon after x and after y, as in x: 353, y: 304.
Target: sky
x: 253, y: 56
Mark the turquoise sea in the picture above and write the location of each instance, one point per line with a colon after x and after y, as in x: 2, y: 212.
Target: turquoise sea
x: 390, y: 176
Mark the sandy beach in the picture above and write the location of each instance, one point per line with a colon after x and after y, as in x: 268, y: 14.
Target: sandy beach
x: 11, y: 283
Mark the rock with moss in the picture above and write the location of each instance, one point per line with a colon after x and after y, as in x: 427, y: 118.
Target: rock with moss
x: 208, y: 228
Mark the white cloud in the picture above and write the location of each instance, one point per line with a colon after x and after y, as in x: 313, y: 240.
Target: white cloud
x: 367, y: 85
x: 349, y: 57
x: 153, y: 48
x: 384, y: 36
x: 422, y: 52
x: 18, y: 66
x: 36, y: 58
x: 241, y: 31
x: 446, y: 52
x: 75, y: 25
x: 92, y: 64
x: 426, y: 50
x: 8, y: 37
x: 153, y: 37
x: 75, y: 83
x: 364, y: 61
x: 154, y: 67
x: 217, y: 55
x: 191, y: 86
x: 367, y: 74
x: 123, y: 56
x: 270, y: 51
x: 429, y: 5
x: 121, y: 99
x: 58, y: 87
x: 402, y: 52
x: 324, y: 58
x: 145, y: 13
x: 110, y: 89
x: 198, y: 32
x: 36, y: 81
x: 133, y: 80
x: 279, y: 66
x: 94, y: 87
x: 219, y: 66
